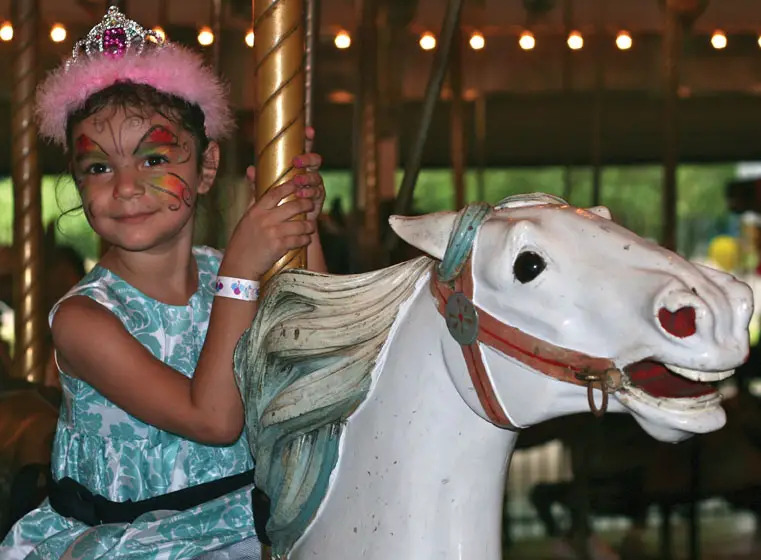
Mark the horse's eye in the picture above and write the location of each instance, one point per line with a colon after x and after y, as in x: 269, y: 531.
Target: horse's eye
x: 528, y: 266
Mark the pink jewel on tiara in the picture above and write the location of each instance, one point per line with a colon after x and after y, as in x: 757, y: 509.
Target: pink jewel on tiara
x: 114, y: 36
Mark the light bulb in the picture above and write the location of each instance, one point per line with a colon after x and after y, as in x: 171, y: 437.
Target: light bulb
x: 477, y: 41
x: 6, y: 31
x: 342, y: 40
x: 624, y: 40
x: 58, y: 33
x: 718, y: 40
x: 527, y: 41
x: 205, y: 36
x: 427, y: 41
x: 575, y: 41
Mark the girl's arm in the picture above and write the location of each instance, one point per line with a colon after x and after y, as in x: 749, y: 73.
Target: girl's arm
x: 94, y: 346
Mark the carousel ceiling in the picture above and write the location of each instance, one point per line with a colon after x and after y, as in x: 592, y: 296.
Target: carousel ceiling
x: 538, y: 101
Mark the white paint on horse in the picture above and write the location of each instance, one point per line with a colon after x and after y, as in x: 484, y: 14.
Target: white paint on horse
x: 421, y: 470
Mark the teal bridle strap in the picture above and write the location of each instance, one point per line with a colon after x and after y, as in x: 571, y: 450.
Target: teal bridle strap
x: 461, y: 239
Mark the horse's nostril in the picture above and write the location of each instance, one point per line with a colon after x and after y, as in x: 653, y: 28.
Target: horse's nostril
x: 680, y: 323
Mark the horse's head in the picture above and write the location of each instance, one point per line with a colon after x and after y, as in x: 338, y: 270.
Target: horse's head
x: 585, y: 300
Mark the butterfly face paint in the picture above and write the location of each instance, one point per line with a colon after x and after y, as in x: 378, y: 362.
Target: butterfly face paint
x: 173, y: 186
x: 160, y: 147
x: 88, y: 153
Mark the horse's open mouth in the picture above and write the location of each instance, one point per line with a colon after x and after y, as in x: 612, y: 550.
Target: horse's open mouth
x: 663, y: 381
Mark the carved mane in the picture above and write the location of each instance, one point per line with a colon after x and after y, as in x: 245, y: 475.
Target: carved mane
x: 303, y: 367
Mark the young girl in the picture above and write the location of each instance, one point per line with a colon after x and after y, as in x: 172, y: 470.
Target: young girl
x: 148, y: 460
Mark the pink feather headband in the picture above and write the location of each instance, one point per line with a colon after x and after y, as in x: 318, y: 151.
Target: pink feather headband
x: 119, y: 50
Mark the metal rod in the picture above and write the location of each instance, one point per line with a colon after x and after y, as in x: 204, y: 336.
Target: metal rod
x: 433, y: 91
x: 280, y: 91
x: 457, y: 120
x: 369, y: 106
x: 480, y: 110
x: 597, y: 110
x: 312, y: 42
x: 29, y: 363
x: 672, y: 43
x: 213, y: 198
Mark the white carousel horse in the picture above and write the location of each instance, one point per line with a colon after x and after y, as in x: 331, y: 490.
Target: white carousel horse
x: 383, y: 407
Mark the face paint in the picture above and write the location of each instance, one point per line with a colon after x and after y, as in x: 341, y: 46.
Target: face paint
x: 173, y: 186
x: 85, y: 146
x: 160, y: 141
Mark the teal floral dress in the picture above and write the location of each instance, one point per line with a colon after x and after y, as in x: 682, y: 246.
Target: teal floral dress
x: 119, y: 457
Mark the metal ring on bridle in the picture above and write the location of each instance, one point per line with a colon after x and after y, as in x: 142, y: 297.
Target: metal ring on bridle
x: 591, y: 379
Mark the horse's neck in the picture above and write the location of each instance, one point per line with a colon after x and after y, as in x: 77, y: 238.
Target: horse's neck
x: 420, y: 475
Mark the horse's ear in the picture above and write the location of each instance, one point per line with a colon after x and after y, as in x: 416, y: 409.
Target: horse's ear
x: 429, y: 233
x: 602, y: 211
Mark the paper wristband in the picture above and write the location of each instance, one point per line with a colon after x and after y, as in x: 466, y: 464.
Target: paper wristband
x: 236, y: 288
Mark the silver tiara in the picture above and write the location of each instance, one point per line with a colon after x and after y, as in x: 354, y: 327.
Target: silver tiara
x: 114, y: 36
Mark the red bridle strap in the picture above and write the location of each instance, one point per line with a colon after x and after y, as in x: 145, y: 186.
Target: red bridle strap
x: 561, y: 363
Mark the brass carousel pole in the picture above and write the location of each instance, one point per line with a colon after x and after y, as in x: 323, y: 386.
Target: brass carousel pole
x: 280, y: 92
x: 29, y: 363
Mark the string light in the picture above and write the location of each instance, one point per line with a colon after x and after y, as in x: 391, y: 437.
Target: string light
x: 342, y: 40
x: 6, y: 31
x: 477, y: 41
x: 205, y: 36
x: 527, y: 41
x: 58, y: 33
x: 624, y: 40
x: 250, y: 38
x: 718, y: 39
x: 575, y: 41
x: 427, y: 41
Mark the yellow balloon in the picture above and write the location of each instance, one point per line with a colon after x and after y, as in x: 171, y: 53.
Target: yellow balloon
x: 724, y: 250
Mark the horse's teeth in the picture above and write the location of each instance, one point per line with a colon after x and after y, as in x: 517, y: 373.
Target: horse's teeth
x: 704, y: 376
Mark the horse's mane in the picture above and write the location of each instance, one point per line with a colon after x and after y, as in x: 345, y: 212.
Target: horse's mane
x: 303, y: 367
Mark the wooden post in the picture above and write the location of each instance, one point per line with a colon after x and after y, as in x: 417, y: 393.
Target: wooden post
x: 29, y: 363
x: 368, y: 180
x: 280, y: 92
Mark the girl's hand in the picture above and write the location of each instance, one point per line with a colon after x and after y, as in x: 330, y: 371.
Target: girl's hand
x: 310, y: 181
x: 267, y: 231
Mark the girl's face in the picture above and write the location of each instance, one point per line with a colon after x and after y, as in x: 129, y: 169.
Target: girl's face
x: 138, y: 176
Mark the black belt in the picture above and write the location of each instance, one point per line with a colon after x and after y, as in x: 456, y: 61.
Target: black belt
x: 70, y: 499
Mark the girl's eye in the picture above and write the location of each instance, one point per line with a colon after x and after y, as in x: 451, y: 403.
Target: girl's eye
x: 154, y: 160
x: 97, y: 169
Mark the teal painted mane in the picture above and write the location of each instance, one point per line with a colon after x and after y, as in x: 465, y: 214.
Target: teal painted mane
x: 303, y: 367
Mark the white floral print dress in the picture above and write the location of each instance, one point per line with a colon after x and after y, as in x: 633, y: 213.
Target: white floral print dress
x: 119, y: 457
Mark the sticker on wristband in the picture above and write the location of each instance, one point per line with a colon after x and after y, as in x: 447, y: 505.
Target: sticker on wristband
x: 237, y: 288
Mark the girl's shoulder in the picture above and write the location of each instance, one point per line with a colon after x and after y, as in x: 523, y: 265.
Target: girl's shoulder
x: 99, y: 285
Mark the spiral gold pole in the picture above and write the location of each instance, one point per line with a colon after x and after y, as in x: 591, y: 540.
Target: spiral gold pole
x: 280, y: 92
x: 29, y: 363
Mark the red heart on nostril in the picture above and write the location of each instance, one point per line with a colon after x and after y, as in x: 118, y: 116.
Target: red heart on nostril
x: 680, y: 323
